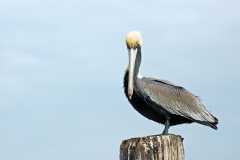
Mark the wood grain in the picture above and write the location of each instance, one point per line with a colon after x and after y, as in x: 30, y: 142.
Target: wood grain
x: 155, y: 147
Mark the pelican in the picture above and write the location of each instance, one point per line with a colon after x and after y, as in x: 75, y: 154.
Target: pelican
x: 160, y: 100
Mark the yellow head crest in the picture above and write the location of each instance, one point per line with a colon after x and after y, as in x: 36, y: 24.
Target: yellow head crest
x: 134, y: 39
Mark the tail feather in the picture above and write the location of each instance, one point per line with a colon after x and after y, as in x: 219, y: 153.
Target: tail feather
x: 212, y: 124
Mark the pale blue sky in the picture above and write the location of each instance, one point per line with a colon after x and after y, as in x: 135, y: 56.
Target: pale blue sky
x: 62, y: 65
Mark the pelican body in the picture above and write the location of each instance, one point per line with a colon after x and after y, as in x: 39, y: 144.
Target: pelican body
x: 160, y: 100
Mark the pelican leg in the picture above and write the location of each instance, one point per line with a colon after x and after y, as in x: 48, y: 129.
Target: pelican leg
x: 167, y: 125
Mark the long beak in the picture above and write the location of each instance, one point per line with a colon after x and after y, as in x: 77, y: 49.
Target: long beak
x: 132, y: 59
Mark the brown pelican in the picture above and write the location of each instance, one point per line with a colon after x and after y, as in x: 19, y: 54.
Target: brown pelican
x: 160, y: 100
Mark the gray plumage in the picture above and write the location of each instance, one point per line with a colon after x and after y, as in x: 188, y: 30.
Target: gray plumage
x: 176, y: 100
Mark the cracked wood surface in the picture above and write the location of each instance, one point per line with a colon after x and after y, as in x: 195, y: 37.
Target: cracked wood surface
x: 155, y: 147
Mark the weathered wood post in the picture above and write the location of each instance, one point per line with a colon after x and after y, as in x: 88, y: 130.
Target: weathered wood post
x: 156, y: 147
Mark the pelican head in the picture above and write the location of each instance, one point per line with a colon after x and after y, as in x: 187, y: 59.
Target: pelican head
x: 134, y: 39
x: 134, y: 42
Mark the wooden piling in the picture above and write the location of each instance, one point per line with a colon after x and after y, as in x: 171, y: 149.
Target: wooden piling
x: 155, y: 147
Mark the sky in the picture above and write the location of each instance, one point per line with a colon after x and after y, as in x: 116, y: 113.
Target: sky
x: 62, y: 65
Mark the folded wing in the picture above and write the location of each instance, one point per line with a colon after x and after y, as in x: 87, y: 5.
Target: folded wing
x: 177, y: 100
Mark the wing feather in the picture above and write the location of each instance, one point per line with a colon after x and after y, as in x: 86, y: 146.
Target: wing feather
x: 176, y: 100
